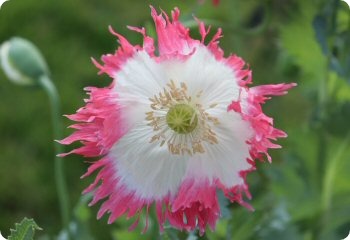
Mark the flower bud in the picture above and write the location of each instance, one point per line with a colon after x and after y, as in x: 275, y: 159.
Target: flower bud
x: 22, y: 61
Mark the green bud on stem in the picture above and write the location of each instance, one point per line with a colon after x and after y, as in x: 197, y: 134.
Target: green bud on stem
x: 22, y: 61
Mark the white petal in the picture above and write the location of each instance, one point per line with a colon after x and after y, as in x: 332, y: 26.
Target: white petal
x: 228, y: 157
x: 142, y: 77
x: 224, y: 161
x: 139, y: 79
x: 150, y: 170
x: 146, y: 168
x: 202, y: 72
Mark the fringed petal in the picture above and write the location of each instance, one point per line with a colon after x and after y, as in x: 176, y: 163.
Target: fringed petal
x: 196, y: 205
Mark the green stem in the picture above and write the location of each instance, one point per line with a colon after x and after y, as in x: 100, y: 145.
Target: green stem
x: 322, y: 142
x: 61, y: 186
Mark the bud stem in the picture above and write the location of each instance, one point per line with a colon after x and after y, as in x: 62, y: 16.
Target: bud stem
x: 61, y: 185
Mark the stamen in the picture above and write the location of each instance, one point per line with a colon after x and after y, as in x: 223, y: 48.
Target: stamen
x: 180, y: 121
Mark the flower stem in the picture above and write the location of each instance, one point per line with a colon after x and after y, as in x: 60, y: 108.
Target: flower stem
x: 61, y: 186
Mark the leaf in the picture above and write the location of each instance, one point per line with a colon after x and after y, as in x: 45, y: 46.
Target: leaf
x: 341, y: 58
x: 333, y: 38
x: 299, y: 40
x: 320, y: 25
x: 24, y: 230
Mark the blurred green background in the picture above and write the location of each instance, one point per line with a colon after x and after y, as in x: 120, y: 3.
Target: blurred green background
x: 303, y: 194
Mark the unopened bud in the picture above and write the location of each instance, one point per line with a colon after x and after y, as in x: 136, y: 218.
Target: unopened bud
x: 22, y: 61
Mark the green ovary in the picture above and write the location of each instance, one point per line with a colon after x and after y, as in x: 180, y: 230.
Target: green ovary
x: 182, y: 118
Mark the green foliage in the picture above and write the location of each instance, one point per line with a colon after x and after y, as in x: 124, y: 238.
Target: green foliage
x: 24, y: 230
x: 334, y: 38
x: 298, y: 39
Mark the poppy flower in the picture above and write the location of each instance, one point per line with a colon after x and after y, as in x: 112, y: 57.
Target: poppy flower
x: 177, y: 124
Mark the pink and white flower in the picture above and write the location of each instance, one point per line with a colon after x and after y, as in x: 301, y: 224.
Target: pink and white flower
x: 177, y: 124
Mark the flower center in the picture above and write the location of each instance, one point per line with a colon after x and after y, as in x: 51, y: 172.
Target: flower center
x: 182, y: 118
x: 180, y: 121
